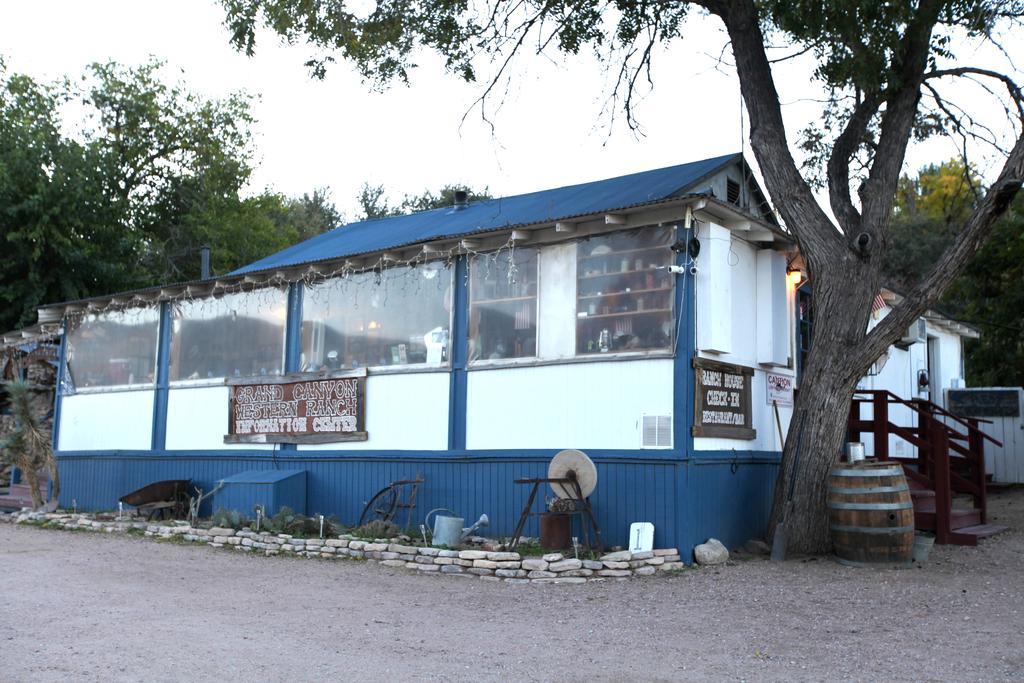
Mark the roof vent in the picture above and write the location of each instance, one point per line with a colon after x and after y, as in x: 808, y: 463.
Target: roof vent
x: 461, y: 199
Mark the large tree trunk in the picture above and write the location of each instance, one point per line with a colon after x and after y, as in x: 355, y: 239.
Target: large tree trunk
x: 818, y: 428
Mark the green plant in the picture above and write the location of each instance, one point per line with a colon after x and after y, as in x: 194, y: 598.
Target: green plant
x: 377, y: 528
x: 287, y: 521
x: 230, y: 518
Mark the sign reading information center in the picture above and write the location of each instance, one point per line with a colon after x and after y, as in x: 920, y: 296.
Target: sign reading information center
x: 315, y: 409
x: 722, y: 405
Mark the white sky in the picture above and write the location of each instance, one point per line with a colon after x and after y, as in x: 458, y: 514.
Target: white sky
x: 338, y: 134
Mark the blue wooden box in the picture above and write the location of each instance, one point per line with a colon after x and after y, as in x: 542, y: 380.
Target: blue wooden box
x: 273, y: 489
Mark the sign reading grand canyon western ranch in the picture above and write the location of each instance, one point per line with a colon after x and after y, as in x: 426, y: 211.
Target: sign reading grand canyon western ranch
x: 722, y: 405
x: 316, y: 409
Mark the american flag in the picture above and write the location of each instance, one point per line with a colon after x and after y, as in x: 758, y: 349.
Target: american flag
x: 877, y: 305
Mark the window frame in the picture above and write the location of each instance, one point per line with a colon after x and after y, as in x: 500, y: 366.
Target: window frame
x: 221, y: 380
x: 394, y: 368
x: 67, y: 375
x: 508, y: 360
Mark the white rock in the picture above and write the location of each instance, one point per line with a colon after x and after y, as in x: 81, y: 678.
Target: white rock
x: 503, y: 557
x: 565, y: 565
x: 614, y: 572
x: 711, y: 553
x: 534, y: 564
x: 553, y: 557
x: 539, y: 574
x: 472, y: 555
x: 620, y: 556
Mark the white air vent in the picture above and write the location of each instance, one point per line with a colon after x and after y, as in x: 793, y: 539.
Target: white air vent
x: 656, y: 431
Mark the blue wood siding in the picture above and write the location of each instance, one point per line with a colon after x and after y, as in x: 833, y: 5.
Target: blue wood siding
x: 687, y: 501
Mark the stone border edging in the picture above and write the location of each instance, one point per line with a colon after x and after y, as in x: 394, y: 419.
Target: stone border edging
x: 509, y: 567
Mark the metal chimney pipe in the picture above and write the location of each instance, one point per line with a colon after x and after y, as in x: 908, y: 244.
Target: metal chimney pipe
x: 461, y: 199
x: 204, y: 260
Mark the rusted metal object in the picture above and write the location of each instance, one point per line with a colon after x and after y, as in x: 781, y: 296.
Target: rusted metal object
x: 168, y: 498
x: 385, y: 504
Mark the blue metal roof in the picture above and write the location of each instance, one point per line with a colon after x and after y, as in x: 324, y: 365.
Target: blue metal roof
x: 507, y: 212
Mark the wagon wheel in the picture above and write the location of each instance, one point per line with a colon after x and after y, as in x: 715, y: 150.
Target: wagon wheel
x: 382, y: 505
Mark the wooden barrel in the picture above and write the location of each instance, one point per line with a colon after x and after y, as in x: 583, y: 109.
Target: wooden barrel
x: 871, y: 514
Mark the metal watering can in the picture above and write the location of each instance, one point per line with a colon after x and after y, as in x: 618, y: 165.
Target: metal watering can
x: 448, y: 530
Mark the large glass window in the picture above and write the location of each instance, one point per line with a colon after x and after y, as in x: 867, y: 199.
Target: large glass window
x: 624, y: 292
x: 503, y: 305
x: 400, y: 316
x: 235, y: 335
x: 116, y: 348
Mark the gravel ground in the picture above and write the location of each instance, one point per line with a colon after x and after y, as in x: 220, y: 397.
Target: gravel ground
x: 79, y: 606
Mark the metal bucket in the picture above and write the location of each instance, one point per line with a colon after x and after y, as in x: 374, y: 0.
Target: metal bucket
x: 447, y: 529
x: 854, y: 452
x: 922, y: 547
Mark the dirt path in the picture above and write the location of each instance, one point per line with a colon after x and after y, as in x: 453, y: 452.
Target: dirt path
x: 89, y: 607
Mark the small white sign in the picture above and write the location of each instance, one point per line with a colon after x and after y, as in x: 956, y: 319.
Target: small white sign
x: 641, y: 537
x: 780, y: 389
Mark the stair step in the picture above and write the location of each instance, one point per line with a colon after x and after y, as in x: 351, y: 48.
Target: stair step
x: 982, y: 530
x: 921, y: 493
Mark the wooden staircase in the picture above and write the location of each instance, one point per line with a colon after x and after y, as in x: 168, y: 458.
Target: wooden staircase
x: 948, y: 470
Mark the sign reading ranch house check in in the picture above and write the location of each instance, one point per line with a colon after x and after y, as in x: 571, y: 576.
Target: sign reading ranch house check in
x: 315, y: 409
x: 722, y: 405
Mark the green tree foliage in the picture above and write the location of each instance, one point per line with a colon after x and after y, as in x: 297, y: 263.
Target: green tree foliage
x: 374, y: 204
x: 155, y: 173
x: 930, y: 211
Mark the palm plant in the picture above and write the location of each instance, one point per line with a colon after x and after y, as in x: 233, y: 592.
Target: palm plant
x: 28, y: 446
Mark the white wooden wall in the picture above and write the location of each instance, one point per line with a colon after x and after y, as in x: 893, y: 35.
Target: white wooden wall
x: 116, y: 420
x: 403, y: 412
x: 577, y: 405
x: 745, y: 317
x: 197, y: 419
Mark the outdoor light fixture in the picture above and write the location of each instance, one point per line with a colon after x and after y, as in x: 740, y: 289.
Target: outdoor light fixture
x: 795, y: 277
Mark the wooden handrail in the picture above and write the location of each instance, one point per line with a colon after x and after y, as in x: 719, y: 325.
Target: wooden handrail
x: 941, y: 447
x: 914, y: 404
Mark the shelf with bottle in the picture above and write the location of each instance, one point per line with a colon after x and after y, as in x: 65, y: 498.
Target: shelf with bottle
x: 504, y: 300
x: 618, y: 314
x: 627, y: 291
x: 619, y: 252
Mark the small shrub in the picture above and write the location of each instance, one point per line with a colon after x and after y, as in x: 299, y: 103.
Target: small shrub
x: 377, y: 528
x: 230, y: 519
x: 287, y: 521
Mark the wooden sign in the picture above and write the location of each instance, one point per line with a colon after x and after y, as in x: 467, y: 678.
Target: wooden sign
x: 311, y: 408
x: 984, y: 402
x: 722, y: 406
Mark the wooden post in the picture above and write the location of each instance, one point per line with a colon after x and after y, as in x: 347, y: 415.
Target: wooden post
x: 943, y: 496
x: 880, y: 416
x: 976, y: 445
x: 852, y: 431
x: 924, y: 421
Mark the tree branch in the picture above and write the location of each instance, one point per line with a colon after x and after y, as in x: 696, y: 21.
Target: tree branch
x: 897, y: 122
x: 792, y: 196
x: 924, y: 295
x: 1011, y: 86
x: 843, y: 149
